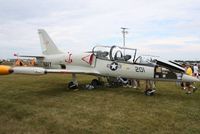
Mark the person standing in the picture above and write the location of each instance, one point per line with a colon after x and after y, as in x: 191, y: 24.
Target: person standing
x: 189, y: 84
x: 183, y: 84
x: 196, y: 70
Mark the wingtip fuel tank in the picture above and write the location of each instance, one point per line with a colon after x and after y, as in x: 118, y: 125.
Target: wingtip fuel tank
x: 188, y: 78
x: 29, y: 70
x: 5, y: 70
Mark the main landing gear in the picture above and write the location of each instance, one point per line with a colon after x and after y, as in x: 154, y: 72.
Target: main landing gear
x: 73, y: 84
x: 97, y: 82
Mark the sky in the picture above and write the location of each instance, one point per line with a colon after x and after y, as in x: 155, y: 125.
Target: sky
x: 165, y: 28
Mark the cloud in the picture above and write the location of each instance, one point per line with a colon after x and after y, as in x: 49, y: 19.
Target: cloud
x: 158, y: 27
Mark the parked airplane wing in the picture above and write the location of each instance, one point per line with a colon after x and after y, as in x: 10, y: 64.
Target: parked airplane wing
x: 5, y: 70
x: 76, y: 71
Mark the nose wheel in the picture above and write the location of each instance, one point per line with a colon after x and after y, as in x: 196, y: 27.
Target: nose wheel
x: 149, y: 92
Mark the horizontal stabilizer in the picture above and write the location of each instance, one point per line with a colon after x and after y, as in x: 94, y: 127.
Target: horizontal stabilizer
x: 31, y: 56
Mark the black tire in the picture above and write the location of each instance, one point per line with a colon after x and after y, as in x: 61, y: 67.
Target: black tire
x: 72, y: 85
x: 95, y: 83
x: 149, y: 92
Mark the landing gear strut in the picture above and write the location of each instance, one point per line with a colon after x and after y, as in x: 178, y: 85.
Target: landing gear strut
x: 150, y: 88
x: 73, y: 84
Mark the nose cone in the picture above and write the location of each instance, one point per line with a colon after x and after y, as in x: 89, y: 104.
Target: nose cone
x: 5, y: 70
x: 188, y: 78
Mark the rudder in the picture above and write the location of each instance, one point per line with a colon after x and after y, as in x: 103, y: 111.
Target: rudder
x: 47, y: 44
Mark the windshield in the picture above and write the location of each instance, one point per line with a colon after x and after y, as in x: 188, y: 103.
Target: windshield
x: 146, y: 59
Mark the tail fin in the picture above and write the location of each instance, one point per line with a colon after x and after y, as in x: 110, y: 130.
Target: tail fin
x: 48, y: 46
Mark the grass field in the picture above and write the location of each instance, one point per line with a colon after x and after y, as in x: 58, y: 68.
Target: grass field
x: 43, y: 105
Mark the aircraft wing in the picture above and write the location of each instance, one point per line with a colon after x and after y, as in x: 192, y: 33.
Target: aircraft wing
x: 76, y: 71
x: 39, y: 70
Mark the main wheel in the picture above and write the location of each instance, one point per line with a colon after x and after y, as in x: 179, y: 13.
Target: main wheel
x: 149, y: 92
x: 72, y: 85
x: 95, y: 83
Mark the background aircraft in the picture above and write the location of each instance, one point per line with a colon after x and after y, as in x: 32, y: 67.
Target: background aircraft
x: 111, y: 62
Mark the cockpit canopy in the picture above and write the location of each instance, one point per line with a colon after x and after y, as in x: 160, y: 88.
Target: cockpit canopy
x: 115, y: 53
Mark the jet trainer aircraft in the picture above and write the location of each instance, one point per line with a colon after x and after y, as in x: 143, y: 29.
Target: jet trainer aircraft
x: 103, y: 61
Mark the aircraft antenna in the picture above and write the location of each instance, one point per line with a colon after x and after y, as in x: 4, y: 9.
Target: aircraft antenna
x: 124, y: 32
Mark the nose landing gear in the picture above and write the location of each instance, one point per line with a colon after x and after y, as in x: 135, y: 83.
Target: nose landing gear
x: 149, y: 92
